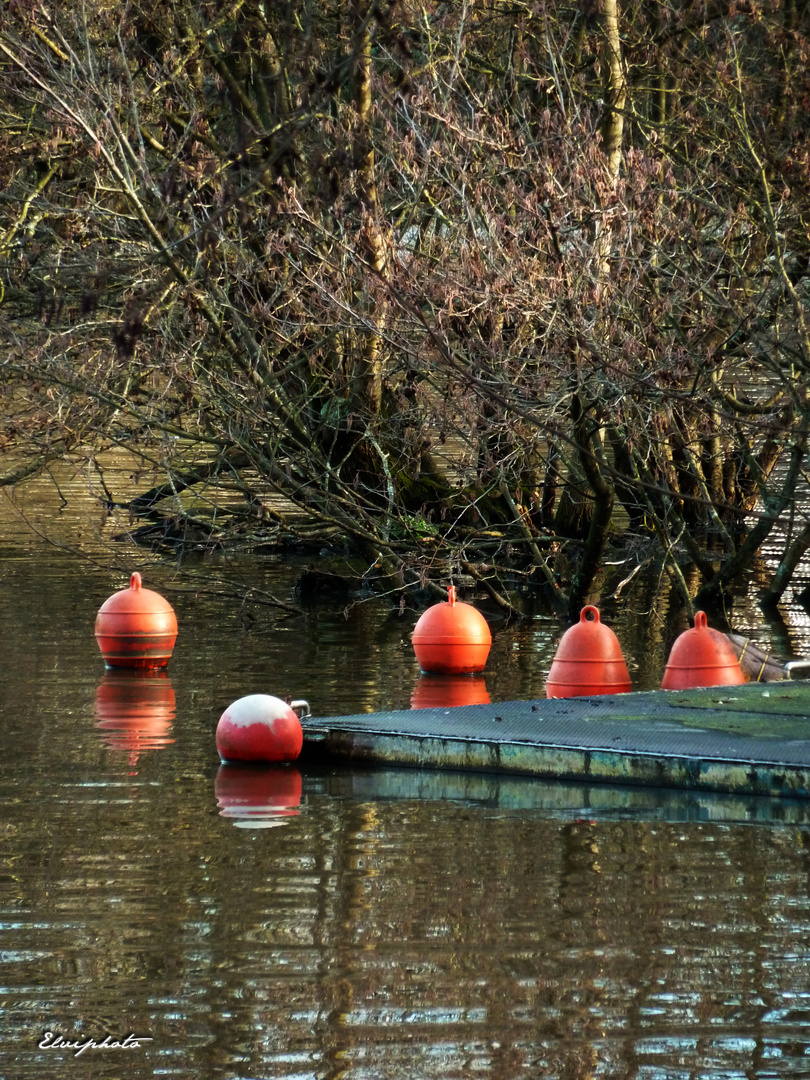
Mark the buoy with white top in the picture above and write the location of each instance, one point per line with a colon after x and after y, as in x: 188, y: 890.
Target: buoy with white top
x: 451, y: 638
x: 136, y: 628
x: 260, y: 727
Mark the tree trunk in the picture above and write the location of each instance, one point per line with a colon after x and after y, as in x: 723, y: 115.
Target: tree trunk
x: 615, y: 89
x: 371, y: 374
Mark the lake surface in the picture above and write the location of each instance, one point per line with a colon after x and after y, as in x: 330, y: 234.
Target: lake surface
x: 333, y: 923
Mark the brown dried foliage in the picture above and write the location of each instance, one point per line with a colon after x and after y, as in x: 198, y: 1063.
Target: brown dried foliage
x: 380, y: 262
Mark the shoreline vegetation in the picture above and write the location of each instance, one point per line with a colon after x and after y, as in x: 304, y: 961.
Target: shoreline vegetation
x: 501, y: 293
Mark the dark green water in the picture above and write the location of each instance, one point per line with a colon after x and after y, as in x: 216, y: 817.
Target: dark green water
x: 305, y: 924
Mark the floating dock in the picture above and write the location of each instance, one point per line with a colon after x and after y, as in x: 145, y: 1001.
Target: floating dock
x: 752, y: 739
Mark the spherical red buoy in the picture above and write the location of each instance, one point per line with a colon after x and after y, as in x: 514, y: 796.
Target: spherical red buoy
x: 448, y: 691
x: 701, y: 657
x: 259, y: 728
x: 588, y: 661
x: 451, y: 638
x: 258, y: 796
x: 136, y: 628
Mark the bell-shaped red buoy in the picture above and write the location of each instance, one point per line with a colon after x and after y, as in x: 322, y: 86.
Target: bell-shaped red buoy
x: 588, y: 661
x: 451, y: 638
x: 259, y: 727
x: 701, y: 657
x: 448, y: 691
x: 258, y: 796
x: 136, y: 628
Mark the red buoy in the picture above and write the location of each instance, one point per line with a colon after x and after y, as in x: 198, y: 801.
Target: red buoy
x: 588, y: 661
x: 451, y: 638
x: 258, y: 796
x: 701, y: 657
x: 136, y: 628
x: 259, y: 727
x: 448, y: 691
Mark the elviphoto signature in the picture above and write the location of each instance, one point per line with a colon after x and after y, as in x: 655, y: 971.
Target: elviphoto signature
x: 52, y: 1040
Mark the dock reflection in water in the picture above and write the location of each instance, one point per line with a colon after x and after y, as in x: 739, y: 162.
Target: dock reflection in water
x: 566, y: 800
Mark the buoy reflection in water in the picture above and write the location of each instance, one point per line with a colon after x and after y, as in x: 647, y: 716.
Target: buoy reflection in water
x: 135, y: 710
x: 447, y: 691
x: 258, y: 796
